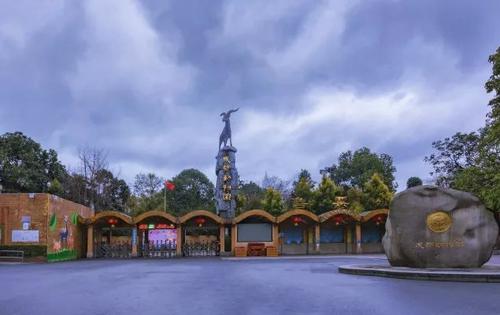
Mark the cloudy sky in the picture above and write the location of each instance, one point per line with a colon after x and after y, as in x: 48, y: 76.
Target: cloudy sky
x: 147, y: 80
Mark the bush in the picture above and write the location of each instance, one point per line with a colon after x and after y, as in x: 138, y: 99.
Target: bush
x: 29, y: 250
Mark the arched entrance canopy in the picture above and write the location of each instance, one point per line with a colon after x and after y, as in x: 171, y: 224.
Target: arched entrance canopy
x: 367, y: 216
x: 344, y: 212
x: 156, y: 213
x: 255, y: 213
x: 296, y: 212
x: 201, y: 213
x: 103, y: 214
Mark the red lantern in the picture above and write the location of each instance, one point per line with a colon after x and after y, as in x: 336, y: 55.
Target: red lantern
x: 112, y: 222
x: 143, y: 226
x: 341, y: 219
x: 199, y: 221
x: 297, y: 220
x: 379, y: 219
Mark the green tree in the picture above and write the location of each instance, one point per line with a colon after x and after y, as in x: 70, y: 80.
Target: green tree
x: 273, y: 202
x: 112, y: 193
x: 324, y: 196
x: 148, y: 193
x: 453, y: 155
x: 147, y: 185
x: 25, y: 166
x: 413, y: 181
x: 471, y: 162
x: 376, y: 193
x: 303, y: 187
x: 492, y: 134
x: 193, y: 191
x: 354, y: 169
x: 249, y: 197
x: 355, y: 197
x: 55, y: 188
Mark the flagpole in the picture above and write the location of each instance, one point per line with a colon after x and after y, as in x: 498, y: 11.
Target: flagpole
x: 165, y: 199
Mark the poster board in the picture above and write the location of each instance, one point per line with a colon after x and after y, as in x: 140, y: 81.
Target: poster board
x: 25, y: 236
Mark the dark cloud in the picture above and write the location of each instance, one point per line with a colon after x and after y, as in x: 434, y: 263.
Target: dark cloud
x: 313, y: 79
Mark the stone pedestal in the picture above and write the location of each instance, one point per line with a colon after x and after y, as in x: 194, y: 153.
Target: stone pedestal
x: 226, y: 188
x: 432, y: 227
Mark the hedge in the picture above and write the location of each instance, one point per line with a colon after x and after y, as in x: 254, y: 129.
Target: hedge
x: 29, y: 250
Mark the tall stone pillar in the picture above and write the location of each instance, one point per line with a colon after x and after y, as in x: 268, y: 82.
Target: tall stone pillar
x: 358, y: 238
x: 226, y: 187
x: 90, y: 241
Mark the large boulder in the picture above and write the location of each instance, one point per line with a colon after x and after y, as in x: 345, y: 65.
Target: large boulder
x: 432, y: 227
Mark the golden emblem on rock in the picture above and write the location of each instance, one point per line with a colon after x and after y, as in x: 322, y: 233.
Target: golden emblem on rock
x: 439, y: 221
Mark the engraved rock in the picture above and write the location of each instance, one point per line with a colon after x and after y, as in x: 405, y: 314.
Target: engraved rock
x: 432, y: 227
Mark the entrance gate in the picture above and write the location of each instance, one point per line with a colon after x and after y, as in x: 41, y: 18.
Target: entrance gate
x: 159, y: 249
x: 201, y: 241
x: 121, y: 250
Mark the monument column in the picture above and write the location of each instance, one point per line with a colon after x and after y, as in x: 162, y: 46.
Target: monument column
x: 227, y: 184
x: 90, y: 241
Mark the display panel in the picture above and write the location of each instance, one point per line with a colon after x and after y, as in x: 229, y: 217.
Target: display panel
x: 255, y: 232
x: 162, y: 235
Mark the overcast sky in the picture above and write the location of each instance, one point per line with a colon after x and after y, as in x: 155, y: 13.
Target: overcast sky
x: 147, y: 80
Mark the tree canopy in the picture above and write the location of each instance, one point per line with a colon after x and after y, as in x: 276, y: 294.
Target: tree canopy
x: 273, y: 202
x: 413, y: 182
x: 193, y: 191
x: 324, y: 196
x: 471, y: 161
x: 26, y: 167
x: 355, y: 169
x: 377, y: 194
x: 303, y: 187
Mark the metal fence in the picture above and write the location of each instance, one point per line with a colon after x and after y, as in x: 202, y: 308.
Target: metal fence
x: 159, y: 249
x: 10, y: 255
x: 201, y: 249
x: 119, y: 250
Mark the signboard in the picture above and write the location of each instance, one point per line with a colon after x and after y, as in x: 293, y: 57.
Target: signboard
x: 25, y: 236
x: 26, y: 222
x: 162, y: 235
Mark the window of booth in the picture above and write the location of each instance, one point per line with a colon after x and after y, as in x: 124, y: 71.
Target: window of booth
x: 293, y: 235
x: 255, y: 232
x: 332, y: 234
x: 372, y: 233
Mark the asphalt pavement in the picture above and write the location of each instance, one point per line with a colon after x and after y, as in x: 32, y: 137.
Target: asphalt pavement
x: 306, y: 285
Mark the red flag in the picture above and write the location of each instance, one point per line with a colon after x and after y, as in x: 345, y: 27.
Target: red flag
x: 169, y: 185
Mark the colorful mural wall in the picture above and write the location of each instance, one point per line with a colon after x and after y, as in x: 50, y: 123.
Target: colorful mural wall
x: 64, y: 237
x: 61, y: 242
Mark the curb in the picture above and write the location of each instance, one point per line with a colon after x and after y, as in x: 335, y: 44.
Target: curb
x: 423, y: 274
x: 304, y: 257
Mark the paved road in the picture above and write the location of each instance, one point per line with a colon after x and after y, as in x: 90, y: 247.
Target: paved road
x: 240, y: 287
